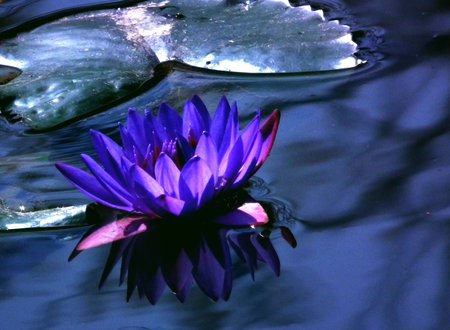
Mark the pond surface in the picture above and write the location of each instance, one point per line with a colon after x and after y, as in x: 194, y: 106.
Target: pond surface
x: 361, y: 158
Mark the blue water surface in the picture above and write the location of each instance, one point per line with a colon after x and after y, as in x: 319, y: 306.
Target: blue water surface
x: 362, y: 158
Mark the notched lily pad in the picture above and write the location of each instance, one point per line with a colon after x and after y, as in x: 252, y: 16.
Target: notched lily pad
x: 267, y: 36
x: 79, y: 64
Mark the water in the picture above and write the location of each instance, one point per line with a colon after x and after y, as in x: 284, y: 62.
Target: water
x: 362, y: 157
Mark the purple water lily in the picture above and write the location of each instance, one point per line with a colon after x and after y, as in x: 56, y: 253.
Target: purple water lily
x: 176, y: 172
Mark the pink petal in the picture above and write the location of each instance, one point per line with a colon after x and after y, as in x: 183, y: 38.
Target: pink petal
x: 248, y: 214
x: 113, y: 231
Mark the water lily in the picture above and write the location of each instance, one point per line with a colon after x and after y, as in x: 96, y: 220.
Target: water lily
x: 175, y: 177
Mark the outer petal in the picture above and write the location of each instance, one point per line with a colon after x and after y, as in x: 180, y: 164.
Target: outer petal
x: 168, y: 175
x: 231, y: 163
x: 266, y: 252
x: 106, y: 180
x: 241, y: 244
x: 269, y: 131
x: 114, y: 231
x: 231, y: 132
x: 195, y: 121
x: 146, y: 183
x: 202, y: 110
x: 196, y: 183
x: 211, y: 263
x: 250, y: 213
x: 89, y: 185
x: 207, y: 150
x: 220, y: 121
x: 249, y: 163
x: 170, y: 120
x: 249, y: 134
x: 109, y: 153
x: 138, y: 130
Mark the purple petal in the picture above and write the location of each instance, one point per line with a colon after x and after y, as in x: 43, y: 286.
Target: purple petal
x: 196, y: 183
x: 269, y: 131
x: 128, y: 143
x: 183, y: 292
x: 249, y: 214
x: 208, y: 272
x: 146, y: 183
x: 89, y: 185
x: 168, y: 175
x: 231, y: 163
x: 113, y: 231
x: 174, y: 206
x: 249, y: 134
x: 109, y: 154
x: 154, y: 287
x: 116, y: 252
x: 219, y: 123
x: 231, y: 132
x: 170, y: 120
x: 249, y: 164
x: 207, y: 150
x: 266, y: 252
x: 176, y: 269
x: 195, y: 121
x: 138, y: 131
x: 106, y: 180
x: 244, y: 248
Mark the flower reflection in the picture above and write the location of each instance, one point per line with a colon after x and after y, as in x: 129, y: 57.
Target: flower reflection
x: 170, y: 195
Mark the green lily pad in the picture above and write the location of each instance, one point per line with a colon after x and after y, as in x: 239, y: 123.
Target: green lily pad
x: 86, y: 63
x: 70, y: 67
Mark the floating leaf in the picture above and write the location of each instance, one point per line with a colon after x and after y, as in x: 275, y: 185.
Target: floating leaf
x: 82, y: 63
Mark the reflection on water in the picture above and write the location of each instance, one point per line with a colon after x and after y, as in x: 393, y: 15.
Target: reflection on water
x: 361, y: 156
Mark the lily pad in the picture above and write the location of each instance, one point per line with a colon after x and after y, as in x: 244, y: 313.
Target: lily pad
x: 87, y: 62
x: 61, y: 216
x: 71, y: 67
x: 267, y: 36
x: 8, y: 73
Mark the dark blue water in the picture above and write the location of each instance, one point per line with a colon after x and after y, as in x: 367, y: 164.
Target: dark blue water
x: 362, y: 158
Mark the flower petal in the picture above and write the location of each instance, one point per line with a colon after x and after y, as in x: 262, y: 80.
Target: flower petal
x: 196, y: 120
x: 106, y: 180
x: 137, y: 129
x: 231, y: 132
x: 89, y: 185
x: 207, y: 150
x: 266, y: 252
x: 241, y: 244
x: 114, y: 231
x: 231, y: 163
x: 220, y: 120
x: 248, y: 167
x: 269, y: 131
x: 167, y: 174
x: 208, y: 272
x: 250, y: 213
x: 196, y: 183
x: 145, y: 183
x: 116, y: 252
x: 170, y: 120
x: 109, y: 154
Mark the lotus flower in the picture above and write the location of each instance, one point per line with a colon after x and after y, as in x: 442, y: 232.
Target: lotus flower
x: 175, y: 176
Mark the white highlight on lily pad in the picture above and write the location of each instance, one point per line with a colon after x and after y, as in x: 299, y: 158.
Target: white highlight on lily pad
x: 61, y: 216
